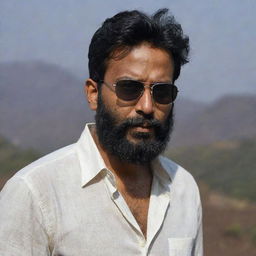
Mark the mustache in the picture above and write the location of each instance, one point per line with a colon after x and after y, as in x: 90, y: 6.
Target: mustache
x: 139, y: 121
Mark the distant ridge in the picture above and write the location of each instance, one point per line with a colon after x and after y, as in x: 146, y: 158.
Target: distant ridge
x: 231, y: 117
x: 42, y: 106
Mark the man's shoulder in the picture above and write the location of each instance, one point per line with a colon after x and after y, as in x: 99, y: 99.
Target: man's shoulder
x: 183, y: 184
x: 49, y: 164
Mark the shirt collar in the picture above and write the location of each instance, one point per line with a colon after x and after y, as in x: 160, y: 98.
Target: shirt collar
x: 165, y: 170
x: 91, y: 161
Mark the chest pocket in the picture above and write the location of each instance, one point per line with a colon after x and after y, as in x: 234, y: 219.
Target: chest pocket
x: 180, y: 246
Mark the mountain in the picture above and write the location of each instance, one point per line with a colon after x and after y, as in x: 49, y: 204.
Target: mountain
x: 230, y: 117
x: 42, y: 106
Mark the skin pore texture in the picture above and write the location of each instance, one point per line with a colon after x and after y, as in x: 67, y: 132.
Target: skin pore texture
x: 148, y: 64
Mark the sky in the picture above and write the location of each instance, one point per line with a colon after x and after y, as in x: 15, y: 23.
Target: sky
x: 222, y: 36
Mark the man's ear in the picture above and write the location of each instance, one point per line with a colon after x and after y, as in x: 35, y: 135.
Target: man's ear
x: 91, y: 91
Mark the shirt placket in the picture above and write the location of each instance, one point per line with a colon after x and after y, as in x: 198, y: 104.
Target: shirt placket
x: 158, y: 206
x: 159, y: 202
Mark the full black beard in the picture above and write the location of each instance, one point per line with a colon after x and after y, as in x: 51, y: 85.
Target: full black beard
x: 112, y: 136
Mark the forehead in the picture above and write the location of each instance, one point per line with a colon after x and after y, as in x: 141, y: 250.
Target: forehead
x: 143, y: 62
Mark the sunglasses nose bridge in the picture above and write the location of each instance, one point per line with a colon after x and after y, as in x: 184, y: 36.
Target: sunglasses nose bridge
x: 149, y: 87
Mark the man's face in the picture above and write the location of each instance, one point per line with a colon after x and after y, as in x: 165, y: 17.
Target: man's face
x: 135, y: 131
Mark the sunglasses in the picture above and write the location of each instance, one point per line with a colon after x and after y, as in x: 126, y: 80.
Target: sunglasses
x: 128, y: 90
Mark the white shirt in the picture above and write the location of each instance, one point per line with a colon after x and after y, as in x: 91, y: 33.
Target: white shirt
x: 67, y: 204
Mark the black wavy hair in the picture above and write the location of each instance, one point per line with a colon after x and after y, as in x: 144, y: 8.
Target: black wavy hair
x: 130, y: 28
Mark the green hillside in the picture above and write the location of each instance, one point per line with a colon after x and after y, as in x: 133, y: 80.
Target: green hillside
x: 228, y: 167
x: 12, y: 159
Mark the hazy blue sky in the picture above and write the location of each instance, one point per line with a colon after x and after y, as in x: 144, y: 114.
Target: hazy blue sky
x: 222, y: 34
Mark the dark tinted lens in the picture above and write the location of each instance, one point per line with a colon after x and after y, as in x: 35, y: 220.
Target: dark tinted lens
x: 164, y: 93
x: 128, y: 89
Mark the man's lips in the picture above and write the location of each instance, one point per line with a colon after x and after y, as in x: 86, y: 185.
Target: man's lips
x: 143, y: 128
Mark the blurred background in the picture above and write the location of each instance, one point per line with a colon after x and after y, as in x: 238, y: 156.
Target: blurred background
x: 43, y: 66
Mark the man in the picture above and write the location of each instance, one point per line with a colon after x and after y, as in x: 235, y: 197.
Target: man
x: 111, y: 193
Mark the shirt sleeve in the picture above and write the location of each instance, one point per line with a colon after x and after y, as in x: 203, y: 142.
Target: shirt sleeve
x: 22, y: 231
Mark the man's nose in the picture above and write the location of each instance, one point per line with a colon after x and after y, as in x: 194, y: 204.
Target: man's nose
x: 145, y: 104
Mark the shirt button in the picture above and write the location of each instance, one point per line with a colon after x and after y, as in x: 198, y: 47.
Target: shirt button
x: 115, y: 195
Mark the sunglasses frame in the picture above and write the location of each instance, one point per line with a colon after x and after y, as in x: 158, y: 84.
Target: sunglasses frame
x: 150, y: 86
